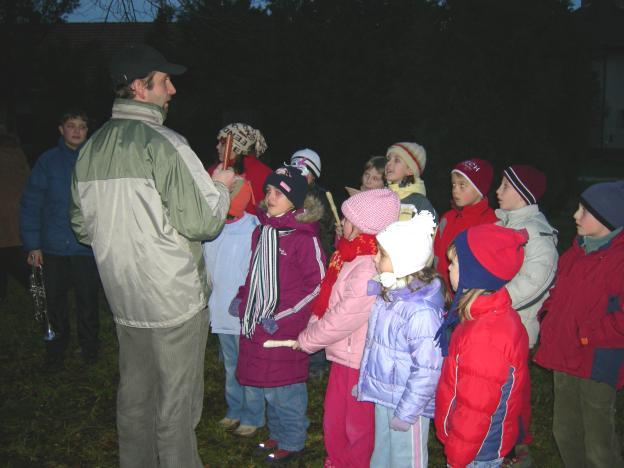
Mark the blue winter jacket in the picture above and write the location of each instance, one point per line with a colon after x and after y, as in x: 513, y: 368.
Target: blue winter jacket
x: 227, y: 264
x: 401, y: 363
x: 44, y: 211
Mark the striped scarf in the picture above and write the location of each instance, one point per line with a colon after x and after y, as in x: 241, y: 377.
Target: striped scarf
x: 263, y: 284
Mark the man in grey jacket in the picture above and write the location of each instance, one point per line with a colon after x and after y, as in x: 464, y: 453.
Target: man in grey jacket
x: 143, y: 201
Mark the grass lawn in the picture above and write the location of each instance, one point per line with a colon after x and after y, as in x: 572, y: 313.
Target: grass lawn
x: 68, y: 419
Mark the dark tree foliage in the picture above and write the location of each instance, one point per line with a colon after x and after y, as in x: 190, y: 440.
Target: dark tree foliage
x: 505, y: 80
x: 23, y: 25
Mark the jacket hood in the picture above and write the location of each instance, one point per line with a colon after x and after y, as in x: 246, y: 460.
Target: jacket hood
x: 304, y: 218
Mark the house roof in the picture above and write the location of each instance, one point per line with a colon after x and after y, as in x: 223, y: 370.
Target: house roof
x: 109, y: 36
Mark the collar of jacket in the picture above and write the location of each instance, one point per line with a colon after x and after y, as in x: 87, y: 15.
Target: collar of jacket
x: 416, y: 289
x: 592, y: 244
x: 525, y: 212
x: 135, y: 110
x: 66, y: 149
x: 490, y: 303
x: 469, y: 210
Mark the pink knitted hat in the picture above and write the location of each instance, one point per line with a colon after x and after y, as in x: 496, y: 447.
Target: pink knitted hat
x: 372, y: 210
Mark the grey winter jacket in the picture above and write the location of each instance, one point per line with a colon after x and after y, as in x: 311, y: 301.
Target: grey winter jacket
x: 143, y: 201
x: 529, y: 288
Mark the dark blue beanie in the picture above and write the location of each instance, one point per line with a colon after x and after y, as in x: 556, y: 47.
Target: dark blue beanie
x: 291, y: 182
x: 606, y: 202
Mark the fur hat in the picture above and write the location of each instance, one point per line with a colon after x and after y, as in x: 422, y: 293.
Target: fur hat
x: 528, y: 182
x: 372, y: 210
x: 291, y: 182
x: 478, y: 172
x: 409, y: 243
x: 245, y: 139
x: 413, y: 154
x: 606, y: 202
x: 308, y: 161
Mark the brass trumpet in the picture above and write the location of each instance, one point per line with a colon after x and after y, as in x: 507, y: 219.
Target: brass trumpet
x: 37, y: 291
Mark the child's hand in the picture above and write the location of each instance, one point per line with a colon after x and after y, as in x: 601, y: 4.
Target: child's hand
x: 234, y: 306
x: 397, y: 424
x: 339, y: 231
x: 296, y: 346
x: 270, y: 325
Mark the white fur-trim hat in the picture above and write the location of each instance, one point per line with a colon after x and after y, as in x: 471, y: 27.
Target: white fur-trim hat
x: 409, y: 243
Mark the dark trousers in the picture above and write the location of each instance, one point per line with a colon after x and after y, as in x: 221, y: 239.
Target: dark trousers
x: 13, y: 263
x: 584, y: 423
x: 62, y: 273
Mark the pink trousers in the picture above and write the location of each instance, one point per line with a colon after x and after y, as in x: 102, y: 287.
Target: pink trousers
x: 348, y: 424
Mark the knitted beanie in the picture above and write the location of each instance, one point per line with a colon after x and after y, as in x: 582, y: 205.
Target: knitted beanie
x: 478, y: 172
x: 606, y: 202
x: 308, y: 161
x: 372, y: 210
x: 489, y: 256
x: 409, y: 243
x: 412, y: 154
x: 245, y: 139
x: 528, y: 182
x: 291, y: 182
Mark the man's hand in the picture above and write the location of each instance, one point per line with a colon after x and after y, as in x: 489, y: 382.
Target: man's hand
x: 226, y: 177
x: 35, y: 257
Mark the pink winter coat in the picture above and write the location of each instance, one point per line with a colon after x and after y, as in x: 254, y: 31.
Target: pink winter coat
x: 342, y: 330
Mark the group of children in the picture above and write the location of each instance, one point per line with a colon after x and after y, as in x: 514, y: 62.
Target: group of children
x: 421, y: 319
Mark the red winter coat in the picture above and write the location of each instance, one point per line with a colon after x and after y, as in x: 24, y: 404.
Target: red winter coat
x: 255, y: 172
x: 586, y: 303
x: 452, y: 223
x: 301, y: 267
x: 485, y: 379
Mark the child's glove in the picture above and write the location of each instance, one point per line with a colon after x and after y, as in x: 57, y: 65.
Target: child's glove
x: 234, y: 306
x: 269, y: 325
x: 397, y: 424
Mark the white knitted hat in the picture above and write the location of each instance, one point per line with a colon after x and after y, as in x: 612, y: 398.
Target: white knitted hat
x: 307, y: 160
x: 413, y: 154
x: 409, y: 243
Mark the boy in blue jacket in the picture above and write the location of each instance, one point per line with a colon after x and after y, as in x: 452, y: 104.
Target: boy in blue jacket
x: 48, y: 238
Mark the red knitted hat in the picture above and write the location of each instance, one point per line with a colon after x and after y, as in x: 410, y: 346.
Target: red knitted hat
x: 497, y: 249
x: 372, y: 210
x: 528, y: 182
x: 479, y: 173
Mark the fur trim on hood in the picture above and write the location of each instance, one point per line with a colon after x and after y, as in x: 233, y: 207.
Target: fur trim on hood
x: 311, y: 212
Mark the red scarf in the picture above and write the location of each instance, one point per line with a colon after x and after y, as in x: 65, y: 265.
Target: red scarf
x: 364, y: 244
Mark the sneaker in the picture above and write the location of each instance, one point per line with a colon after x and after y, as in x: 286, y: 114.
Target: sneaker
x: 246, y: 431
x: 228, y: 424
x: 281, y: 456
x: 268, y: 444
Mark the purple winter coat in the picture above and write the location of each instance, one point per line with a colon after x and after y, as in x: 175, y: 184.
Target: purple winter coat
x: 301, y: 267
x: 402, y: 363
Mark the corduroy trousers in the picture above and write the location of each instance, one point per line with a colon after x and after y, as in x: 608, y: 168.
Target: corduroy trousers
x: 584, y: 423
